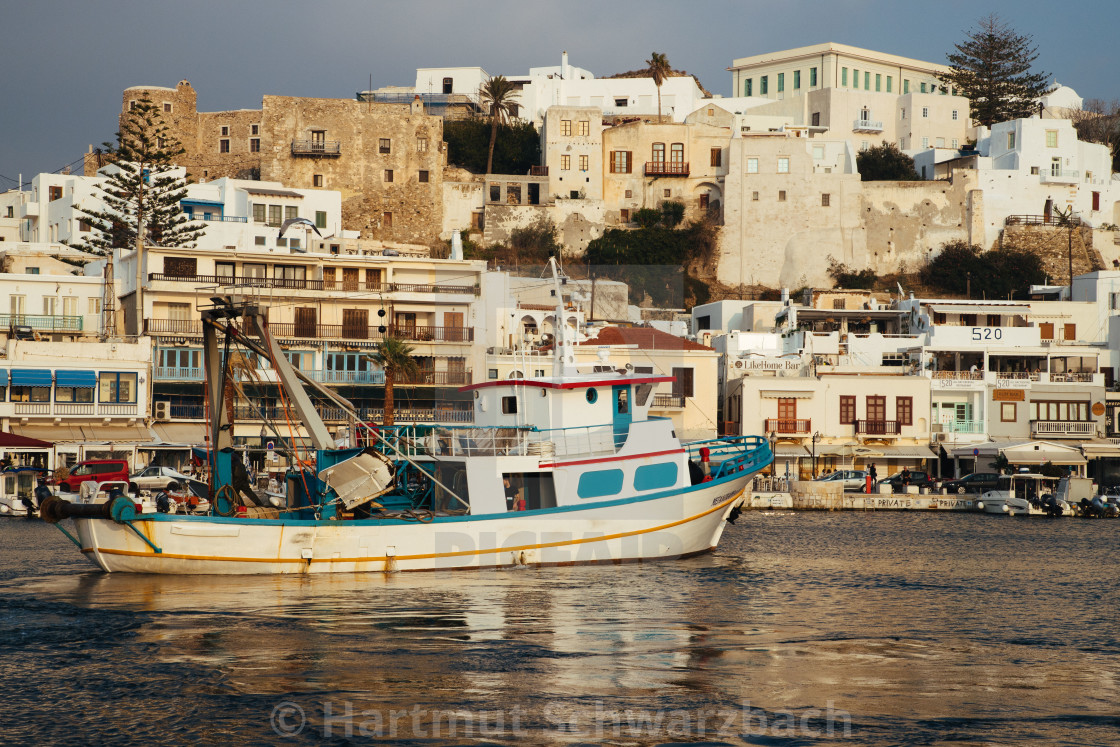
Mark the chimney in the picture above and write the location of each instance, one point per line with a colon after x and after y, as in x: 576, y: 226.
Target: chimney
x: 564, y: 65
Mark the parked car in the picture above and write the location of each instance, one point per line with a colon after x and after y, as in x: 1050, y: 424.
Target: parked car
x: 977, y: 482
x: 917, y: 477
x: 853, y: 479
x: 94, y: 470
x: 159, y: 478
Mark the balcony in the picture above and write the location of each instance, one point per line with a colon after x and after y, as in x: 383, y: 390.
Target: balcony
x: 666, y: 168
x: 538, y: 171
x: 785, y: 427
x: 1072, y: 378
x: 867, y: 125
x: 317, y: 148
x: 1061, y: 176
x: 101, y: 409
x: 663, y: 401
x: 217, y: 218
x: 42, y: 322
x: 1063, y: 428
x: 438, y: 378
x: 347, y: 377
x: 314, y: 285
x: 411, y: 333
x: 878, y: 427
x: 173, y: 373
x: 173, y: 326
x: 1036, y: 220
x: 963, y: 426
x: 365, y: 414
x: 188, y: 412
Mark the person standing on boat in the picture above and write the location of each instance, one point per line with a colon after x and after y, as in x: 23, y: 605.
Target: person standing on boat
x: 42, y: 492
x: 513, y: 497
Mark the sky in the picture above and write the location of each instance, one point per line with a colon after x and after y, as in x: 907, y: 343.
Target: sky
x: 67, y: 62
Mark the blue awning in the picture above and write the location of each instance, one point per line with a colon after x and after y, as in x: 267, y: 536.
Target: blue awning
x: 194, y: 201
x: 75, y: 378
x: 31, y: 377
x: 3, y: 377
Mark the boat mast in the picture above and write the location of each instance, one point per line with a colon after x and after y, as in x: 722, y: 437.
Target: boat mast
x: 564, y: 361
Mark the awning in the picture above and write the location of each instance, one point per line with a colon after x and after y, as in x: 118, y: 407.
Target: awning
x: 3, y: 377
x: 790, y: 450
x: 128, y: 434
x: 848, y: 450
x: 784, y: 394
x: 273, y: 192
x: 182, y: 435
x: 195, y: 201
x: 976, y: 308
x: 902, y: 452
x: 1042, y: 456
x: 63, y: 377
x: 31, y: 377
x: 1100, y: 448
x: 58, y: 434
x: 13, y: 441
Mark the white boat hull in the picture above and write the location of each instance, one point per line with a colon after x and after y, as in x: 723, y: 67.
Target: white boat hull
x: 665, y: 526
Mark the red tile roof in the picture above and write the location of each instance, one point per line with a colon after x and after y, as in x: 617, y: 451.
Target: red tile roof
x: 645, y: 338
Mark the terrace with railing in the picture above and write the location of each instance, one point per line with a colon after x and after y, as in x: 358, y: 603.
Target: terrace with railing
x: 788, y: 426
x: 667, y: 168
x: 243, y: 281
x: 878, y: 427
x: 42, y: 322
x: 328, y: 148
x: 293, y: 330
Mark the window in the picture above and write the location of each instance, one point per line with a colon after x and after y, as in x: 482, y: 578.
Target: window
x: 599, y: 483
x: 254, y: 129
x: 796, y: 80
x: 781, y: 195
x: 317, y: 180
x: 54, y: 193
x: 1007, y: 412
x: 847, y: 409
x: 764, y: 85
x: 259, y: 212
x: 32, y: 270
x: 1097, y: 201
x: 566, y: 127
x: 904, y: 410
x: 1070, y: 331
x: 621, y: 103
x: 878, y: 82
x: 1010, y: 140
x: 509, y: 405
x: 956, y: 143
x: 754, y: 196
x: 752, y: 165
x: 94, y: 306
x: 954, y: 115
x: 816, y: 119
x: 624, y: 215
x: 683, y: 382
x: 225, y: 130
x: 584, y: 128
x: 866, y: 81
x: 290, y: 212
x: 781, y: 82
x: 583, y: 163
x: 384, y: 146
x: 629, y: 194
x: 386, y: 220
x: 1051, y: 138
x: 925, y: 142
x: 747, y: 87
x: 167, y: 107
x: 223, y: 145
x: 620, y: 162
x: 855, y: 78
x: 925, y: 112
x: 717, y: 157
x: 79, y: 394
x: 705, y: 200
x: 255, y: 145
x: 274, y: 213
x: 905, y: 86
x: 890, y: 83
x: 421, y: 145
x: 825, y: 199
x: 812, y: 76
x: 676, y: 153
x: 50, y: 304
x: 1069, y: 411
x: 658, y: 154
x: 117, y: 387
x: 783, y: 165
x: 320, y: 219
x: 388, y: 175
x: 666, y: 193
x: 843, y: 76
x: 923, y: 88
x: 565, y: 162
x: 422, y: 176
x: 940, y: 142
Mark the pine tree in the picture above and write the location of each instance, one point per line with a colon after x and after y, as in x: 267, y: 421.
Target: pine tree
x: 992, y: 67
x: 140, y: 190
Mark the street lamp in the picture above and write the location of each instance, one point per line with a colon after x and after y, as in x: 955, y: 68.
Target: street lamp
x: 816, y: 437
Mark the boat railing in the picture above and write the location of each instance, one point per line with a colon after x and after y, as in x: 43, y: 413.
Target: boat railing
x: 733, y: 454
x: 468, y: 441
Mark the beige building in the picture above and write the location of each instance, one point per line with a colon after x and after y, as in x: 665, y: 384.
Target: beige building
x: 386, y: 159
x: 572, y: 148
x: 646, y: 164
x: 855, y: 94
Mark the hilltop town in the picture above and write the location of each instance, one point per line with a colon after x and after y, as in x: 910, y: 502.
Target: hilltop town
x: 103, y: 354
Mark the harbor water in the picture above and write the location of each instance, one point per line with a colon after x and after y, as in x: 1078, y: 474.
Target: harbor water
x: 889, y: 628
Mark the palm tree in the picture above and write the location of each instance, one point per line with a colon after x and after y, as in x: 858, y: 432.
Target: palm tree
x: 496, y: 94
x: 395, y: 357
x: 659, y: 69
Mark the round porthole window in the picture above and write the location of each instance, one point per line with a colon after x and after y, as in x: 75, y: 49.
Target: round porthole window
x: 592, y: 395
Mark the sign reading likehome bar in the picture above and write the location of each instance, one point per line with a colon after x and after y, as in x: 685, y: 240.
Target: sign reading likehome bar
x: 1009, y: 395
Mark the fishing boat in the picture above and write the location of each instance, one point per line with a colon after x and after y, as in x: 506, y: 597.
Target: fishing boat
x: 563, y: 469
x: 1027, y: 494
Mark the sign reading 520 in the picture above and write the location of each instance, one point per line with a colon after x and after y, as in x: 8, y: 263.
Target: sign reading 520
x: 987, y: 333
